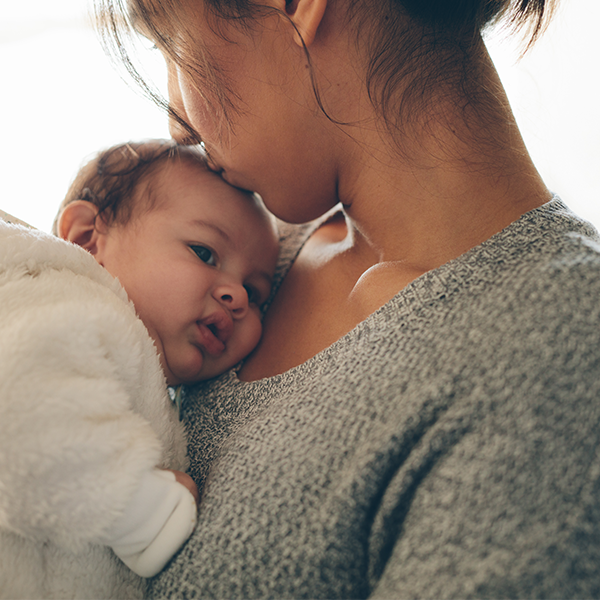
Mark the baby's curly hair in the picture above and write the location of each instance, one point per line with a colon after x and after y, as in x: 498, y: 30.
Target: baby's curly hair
x: 112, y: 177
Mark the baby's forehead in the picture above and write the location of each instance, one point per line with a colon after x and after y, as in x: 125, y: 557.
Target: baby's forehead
x: 202, y: 175
x: 216, y: 200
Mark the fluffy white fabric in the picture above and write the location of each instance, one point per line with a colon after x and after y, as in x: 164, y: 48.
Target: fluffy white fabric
x: 84, y: 418
x: 159, y: 518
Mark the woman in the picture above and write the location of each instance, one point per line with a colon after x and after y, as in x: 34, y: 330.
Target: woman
x: 420, y: 418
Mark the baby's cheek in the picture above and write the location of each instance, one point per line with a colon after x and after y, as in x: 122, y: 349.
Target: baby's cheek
x: 253, y: 333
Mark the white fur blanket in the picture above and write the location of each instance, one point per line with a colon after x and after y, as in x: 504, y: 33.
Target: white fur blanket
x: 84, y: 414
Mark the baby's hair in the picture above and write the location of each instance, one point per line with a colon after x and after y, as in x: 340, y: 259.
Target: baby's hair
x: 111, y: 179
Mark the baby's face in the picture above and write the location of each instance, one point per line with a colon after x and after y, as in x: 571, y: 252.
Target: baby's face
x: 197, y: 267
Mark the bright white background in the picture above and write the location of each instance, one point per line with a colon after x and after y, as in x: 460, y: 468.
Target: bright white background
x: 61, y: 100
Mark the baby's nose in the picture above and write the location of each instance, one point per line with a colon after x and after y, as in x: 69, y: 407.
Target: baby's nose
x: 234, y: 297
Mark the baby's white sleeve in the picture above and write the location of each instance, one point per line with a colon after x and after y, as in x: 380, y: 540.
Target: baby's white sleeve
x: 158, y: 519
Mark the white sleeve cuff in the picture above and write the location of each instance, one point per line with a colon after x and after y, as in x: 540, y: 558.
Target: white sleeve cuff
x: 157, y: 521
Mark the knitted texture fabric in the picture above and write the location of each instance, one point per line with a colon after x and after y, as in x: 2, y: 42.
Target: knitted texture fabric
x: 447, y: 447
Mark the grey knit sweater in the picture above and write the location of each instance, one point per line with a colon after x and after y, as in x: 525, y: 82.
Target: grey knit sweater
x: 447, y: 447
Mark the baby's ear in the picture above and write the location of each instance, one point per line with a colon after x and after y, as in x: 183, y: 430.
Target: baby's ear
x: 77, y: 224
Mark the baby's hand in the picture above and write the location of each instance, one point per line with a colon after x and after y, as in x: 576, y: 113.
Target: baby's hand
x: 185, y: 480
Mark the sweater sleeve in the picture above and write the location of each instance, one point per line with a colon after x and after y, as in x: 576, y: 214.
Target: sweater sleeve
x: 73, y: 451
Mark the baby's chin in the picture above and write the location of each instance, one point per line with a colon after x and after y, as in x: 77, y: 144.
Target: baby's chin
x: 211, y: 370
x: 178, y: 372
x: 190, y: 374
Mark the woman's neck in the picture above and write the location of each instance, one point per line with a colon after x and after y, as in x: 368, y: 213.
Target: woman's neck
x: 459, y: 176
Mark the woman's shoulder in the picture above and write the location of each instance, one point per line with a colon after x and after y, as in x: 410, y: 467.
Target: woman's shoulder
x: 527, y: 303
x: 524, y: 302
x: 550, y: 254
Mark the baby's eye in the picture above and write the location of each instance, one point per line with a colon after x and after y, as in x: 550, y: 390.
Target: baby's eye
x: 205, y: 254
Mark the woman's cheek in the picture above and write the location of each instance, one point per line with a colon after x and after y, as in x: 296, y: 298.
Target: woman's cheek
x: 176, y: 130
x: 199, y: 111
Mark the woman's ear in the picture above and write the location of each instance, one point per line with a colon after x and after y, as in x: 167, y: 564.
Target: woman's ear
x: 77, y: 224
x: 307, y: 16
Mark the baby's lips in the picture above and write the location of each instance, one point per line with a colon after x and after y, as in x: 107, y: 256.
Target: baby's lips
x: 215, y: 330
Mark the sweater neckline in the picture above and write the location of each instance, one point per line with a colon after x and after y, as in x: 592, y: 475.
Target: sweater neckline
x: 553, y: 217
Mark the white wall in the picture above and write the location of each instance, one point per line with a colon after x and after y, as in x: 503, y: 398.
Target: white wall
x: 554, y: 91
x: 61, y: 100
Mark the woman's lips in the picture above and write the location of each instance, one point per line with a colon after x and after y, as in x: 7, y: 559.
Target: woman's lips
x: 215, y: 330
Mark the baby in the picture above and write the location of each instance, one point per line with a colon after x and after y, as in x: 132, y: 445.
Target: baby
x: 87, y: 429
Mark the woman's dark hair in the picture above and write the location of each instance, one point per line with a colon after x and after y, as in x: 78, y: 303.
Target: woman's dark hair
x: 415, y: 45
x: 112, y: 178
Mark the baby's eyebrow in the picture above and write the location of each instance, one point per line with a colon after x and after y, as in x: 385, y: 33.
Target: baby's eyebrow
x: 215, y: 228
